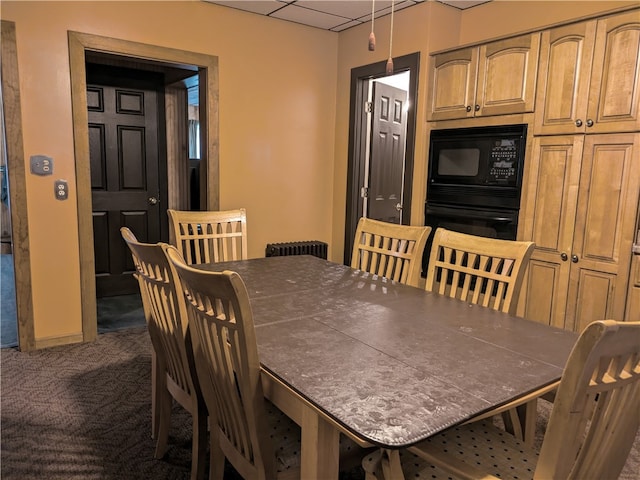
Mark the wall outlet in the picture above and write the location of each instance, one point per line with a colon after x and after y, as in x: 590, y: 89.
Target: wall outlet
x: 61, y: 189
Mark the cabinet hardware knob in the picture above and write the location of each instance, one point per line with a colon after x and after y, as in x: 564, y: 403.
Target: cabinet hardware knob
x: 468, y: 108
x: 564, y: 257
x: 589, y: 122
x: 477, y: 107
x: 578, y: 123
x: 574, y: 258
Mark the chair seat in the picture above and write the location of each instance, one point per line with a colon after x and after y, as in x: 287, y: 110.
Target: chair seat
x: 480, y: 445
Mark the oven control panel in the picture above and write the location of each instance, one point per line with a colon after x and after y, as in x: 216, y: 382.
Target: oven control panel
x: 503, y: 160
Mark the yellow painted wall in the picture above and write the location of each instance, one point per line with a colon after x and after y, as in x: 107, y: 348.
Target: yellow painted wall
x: 277, y: 123
x: 284, y: 112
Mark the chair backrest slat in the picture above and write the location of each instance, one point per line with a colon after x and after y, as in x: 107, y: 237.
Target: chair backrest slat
x: 478, y: 270
x: 228, y: 366
x: 596, y: 412
x: 209, y: 236
x: 164, y: 308
x: 389, y: 250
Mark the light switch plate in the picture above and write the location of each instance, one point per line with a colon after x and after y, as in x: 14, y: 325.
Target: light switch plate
x: 41, y: 165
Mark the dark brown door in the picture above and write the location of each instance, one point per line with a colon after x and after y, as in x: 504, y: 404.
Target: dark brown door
x: 386, y: 165
x: 127, y: 160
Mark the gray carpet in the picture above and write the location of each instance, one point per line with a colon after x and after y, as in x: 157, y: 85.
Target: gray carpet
x: 82, y: 412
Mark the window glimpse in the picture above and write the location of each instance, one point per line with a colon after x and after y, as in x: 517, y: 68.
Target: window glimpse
x: 194, y: 139
x: 194, y: 118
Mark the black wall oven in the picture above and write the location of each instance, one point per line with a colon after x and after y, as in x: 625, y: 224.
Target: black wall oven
x: 475, y: 180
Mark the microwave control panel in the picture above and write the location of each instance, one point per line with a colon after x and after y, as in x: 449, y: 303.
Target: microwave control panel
x: 503, y: 160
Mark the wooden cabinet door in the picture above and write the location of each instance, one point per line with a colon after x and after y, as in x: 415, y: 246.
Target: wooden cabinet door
x: 551, y: 203
x: 507, y: 76
x: 604, y: 229
x: 453, y: 84
x: 563, y: 79
x: 614, y: 97
x: 498, y: 78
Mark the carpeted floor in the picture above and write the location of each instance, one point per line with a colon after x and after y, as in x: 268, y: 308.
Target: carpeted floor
x: 82, y: 412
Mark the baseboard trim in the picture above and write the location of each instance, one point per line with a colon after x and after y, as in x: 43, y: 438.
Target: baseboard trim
x: 57, y: 341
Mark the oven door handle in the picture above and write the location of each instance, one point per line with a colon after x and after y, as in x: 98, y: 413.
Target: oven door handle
x: 494, y: 216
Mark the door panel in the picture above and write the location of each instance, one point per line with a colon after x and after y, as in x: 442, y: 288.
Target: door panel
x: 386, y: 166
x: 564, y: 74
x: 615, y: 82
x: 554, y: 177
x: 507, y: 72
x: 453, y: 84
x: 546, y: 289
x: 605, y: 228
x: 595, y: 300
x: 124, y: 121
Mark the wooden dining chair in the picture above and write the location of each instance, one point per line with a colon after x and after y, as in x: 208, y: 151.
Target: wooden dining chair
x: 389, y: 250
x: 479, y: 270
x: 487, y: 272
x: 173, y: 371
x: 260, y: 441
x: 592, y: 427
x: 209, y: 236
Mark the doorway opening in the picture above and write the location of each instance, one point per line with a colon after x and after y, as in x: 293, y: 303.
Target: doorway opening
x: 382, y: 119
x: 128, y: 107
x: 176, y: 67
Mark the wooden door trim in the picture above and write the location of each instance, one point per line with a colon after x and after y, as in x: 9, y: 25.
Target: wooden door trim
x: 17, y: 187
x: 208, y: 68
x: 357, y: 122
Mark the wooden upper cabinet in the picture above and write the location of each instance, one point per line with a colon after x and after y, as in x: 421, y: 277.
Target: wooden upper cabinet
x: 453, y: 84
x: 497, y: 78
x: 589, y: 77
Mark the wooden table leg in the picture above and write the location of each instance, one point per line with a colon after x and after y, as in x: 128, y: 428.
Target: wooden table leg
x: 320, y: 448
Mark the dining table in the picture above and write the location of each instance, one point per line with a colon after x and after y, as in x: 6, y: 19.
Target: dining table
x: 348, y: 352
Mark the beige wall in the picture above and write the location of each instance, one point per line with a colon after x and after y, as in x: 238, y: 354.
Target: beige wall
x: 277, y: 123
x: 284, y: 108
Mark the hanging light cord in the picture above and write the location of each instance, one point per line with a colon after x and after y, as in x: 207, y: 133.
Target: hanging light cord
x: 389, y: 68
x: 372, y: 36
x: 391, y: 31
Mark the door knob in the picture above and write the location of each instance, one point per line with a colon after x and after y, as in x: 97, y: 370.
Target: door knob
x: 398, y: 206
x: 153, y: 201
x: 564, y: 257
x: 574, y: 258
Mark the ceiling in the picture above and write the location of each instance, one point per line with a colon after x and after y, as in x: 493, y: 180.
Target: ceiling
x: 333, y: 15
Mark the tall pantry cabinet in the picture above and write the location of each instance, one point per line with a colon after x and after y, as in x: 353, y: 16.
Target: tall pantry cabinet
x: 584, y: 180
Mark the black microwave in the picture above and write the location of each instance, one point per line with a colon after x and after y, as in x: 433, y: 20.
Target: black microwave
x: 479, y: 166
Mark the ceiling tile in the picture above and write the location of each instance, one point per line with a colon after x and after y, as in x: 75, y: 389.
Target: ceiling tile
x: 334, y: 15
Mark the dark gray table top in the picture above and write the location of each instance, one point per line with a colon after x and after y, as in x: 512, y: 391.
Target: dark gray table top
x: 391, y: 363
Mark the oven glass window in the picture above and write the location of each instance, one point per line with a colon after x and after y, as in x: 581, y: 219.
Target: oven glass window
x: 459, y: 162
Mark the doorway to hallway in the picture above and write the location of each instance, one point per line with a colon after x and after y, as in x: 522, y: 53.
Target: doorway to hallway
x: 381, y: 144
